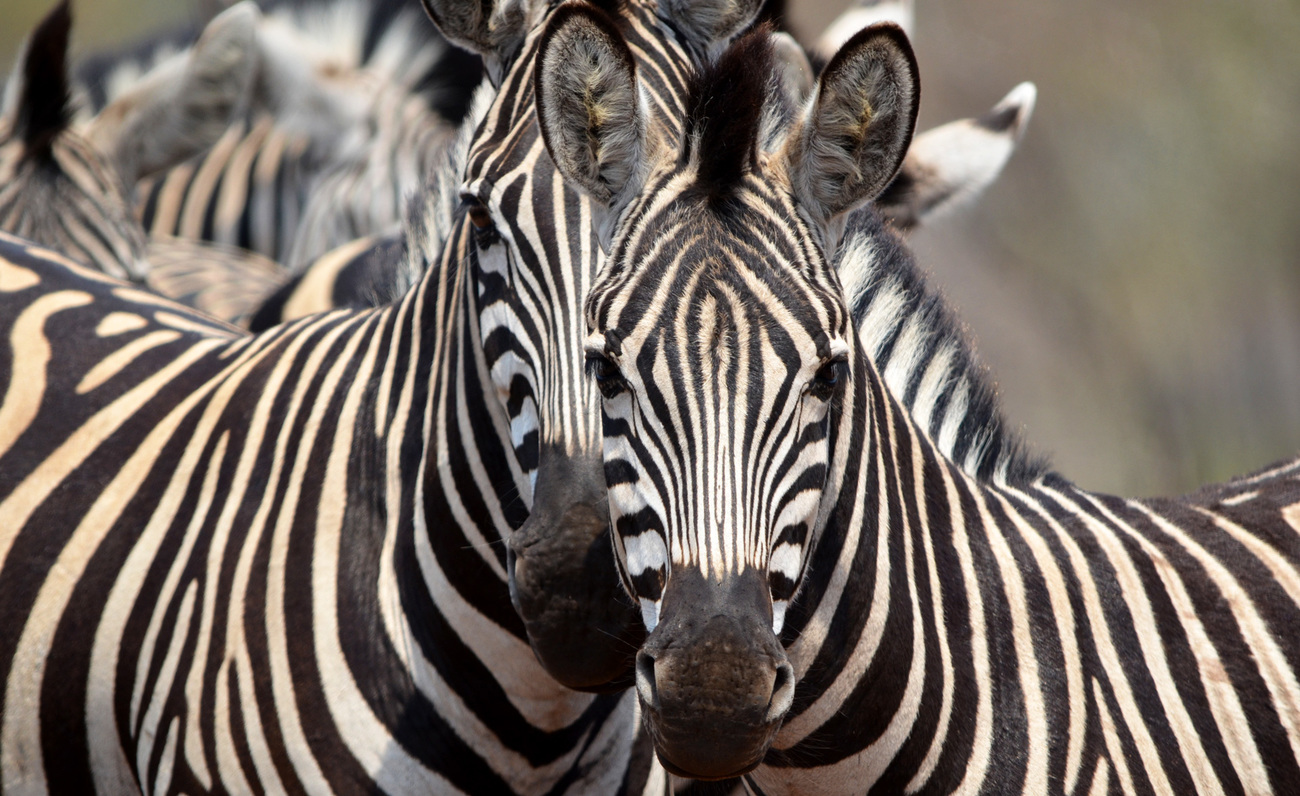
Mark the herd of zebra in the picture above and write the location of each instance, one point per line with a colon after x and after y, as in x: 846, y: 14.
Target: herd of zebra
x: 545, y: 400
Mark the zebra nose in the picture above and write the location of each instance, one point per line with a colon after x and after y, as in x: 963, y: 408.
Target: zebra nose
x: 782, y: 693
x: 645, y: 680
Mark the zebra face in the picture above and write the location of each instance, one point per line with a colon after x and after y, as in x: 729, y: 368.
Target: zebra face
x: 720, y: 361
x: 719, y: 340
x: 536, y: 249
x: 560, y: 561
x: 718, y: 370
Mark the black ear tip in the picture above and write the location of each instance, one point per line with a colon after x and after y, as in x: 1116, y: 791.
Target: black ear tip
x: 43, y: 111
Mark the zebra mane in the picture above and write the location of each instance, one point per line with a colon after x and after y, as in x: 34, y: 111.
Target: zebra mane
x: 726, y: 98
x: 433, y: 212
x: 925, y: 356
x: 43, y: 111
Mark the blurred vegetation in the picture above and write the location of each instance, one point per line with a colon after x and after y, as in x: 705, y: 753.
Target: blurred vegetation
x: 1133, y: 280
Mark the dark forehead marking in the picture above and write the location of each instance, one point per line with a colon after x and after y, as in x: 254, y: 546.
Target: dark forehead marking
x: 722, y: 117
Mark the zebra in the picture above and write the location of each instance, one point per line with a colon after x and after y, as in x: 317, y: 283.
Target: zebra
x: 292, y: 195
x: 854, y: 577
x: 295, y: 177
x: 60, y: 191
x: 54, y: 188
x: 346, y: 553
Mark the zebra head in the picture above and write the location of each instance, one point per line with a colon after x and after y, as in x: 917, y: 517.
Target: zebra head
x: 55, y: 188
x: 537, y: 247
x: 721, y: 343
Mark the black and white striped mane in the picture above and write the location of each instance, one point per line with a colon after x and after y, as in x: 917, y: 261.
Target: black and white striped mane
x: 925, y: 356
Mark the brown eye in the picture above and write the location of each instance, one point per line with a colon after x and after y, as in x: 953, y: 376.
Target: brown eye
x: 479, y: 216
x: 826, y: 379
x: 609, y: 379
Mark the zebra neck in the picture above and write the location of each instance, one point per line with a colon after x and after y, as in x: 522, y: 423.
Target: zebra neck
x: 890, y: 622
x: 448, y: 554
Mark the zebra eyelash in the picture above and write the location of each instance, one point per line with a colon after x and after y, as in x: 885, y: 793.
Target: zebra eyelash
x: 827, y: 380
x: 606, y: 374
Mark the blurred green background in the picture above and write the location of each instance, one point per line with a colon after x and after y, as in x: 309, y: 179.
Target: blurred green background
x: 1133, y: 280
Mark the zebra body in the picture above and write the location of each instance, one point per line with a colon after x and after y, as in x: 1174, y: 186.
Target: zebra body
x: 242, y: 563
x: 853, y: 577
x: 292, y: 197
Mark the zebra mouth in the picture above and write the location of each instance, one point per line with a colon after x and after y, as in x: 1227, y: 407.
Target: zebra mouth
x: 714, y: 682
x: 564, y: 581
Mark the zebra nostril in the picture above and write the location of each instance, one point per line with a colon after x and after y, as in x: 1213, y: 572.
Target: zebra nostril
x: 782, y: 693
x: 645, y: 680
x: 511, y: 559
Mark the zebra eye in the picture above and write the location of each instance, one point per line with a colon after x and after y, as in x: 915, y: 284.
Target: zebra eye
x: 607, y: 375
x: 826, y: 379
x: 485, y: 232
x: 479, y: 216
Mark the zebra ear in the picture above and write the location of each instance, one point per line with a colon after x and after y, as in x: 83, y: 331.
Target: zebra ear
x: 39, y: 86
x: 857, y: 126
x: 711, y: 22
x: 951, y: 164
x: 793, y: 67
x: 182, y: 109
x: 491, y: 28
x: 589, y: 108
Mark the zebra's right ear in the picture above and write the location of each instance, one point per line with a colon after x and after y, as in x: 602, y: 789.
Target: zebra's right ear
x: 589, y: 108
x: 182, y: 109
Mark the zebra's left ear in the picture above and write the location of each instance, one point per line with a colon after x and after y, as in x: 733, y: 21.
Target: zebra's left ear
x: 858, y: 125
x: 589, y: 108
x: 711, y: 22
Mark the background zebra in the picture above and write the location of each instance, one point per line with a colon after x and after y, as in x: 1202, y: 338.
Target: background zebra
x: 951, y: 593
x: 54, y: 188
x: 60, y: 191
x: 339, y: 128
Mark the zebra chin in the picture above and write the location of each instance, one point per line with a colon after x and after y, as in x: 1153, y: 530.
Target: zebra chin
x: 713, y: 679
x: 564, y: 580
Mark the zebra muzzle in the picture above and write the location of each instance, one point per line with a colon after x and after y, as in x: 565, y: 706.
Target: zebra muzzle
x: 713, y: 680
x: 564, y: 583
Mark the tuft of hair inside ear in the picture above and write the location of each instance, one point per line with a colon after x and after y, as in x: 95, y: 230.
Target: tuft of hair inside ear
x: 727, y: 97
x: 44, y: 102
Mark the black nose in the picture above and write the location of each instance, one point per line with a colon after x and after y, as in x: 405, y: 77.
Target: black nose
x: 778, y: 703
x: 713, y: 680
